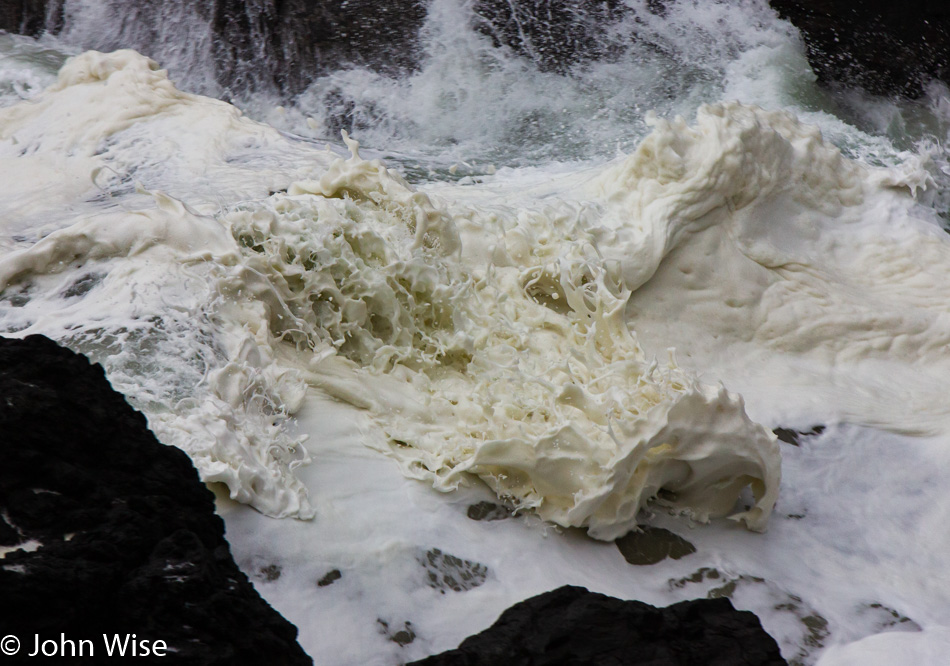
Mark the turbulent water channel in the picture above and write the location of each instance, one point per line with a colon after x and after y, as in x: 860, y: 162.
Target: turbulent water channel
x: 580, y: 296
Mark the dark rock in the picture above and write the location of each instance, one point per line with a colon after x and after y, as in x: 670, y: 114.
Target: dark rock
x: 572, y: 626
x: 330, y: 578
x: 793, y: 437
x: 129, y: 539
x: 31, y: 17
x: 270, y: 573
x: 885, y: 47
x: 448, y: 572
x: 556, y: 34
x: 649, y: 545
x: 885, y: 618
x: 401, y: 637
x: 287, y: 43
x: 261, y: 45
x: 488, y: 511
x: 282, y: 45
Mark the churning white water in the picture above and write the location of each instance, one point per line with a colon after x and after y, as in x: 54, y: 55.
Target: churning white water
x: 587, y: 297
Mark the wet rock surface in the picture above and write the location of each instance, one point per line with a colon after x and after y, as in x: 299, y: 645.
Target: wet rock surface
x: 282, y: 45
x: 555, y: 35
x: 794, y: 437
x: 650, y: 545
x: 488, y: 511
x: 885, y: 47
x: 271, y: 45
x: 571, y: 625
x: 447, y: 572
x: 28, y: 17
x: 330, y: 578
x: 124, y: 535
x: 290, y: 42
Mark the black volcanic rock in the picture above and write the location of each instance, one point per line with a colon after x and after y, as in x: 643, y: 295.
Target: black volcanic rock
x: 572, y: 626
x: 793, y: 437
x: 129, y: 541
x: 887, y: 48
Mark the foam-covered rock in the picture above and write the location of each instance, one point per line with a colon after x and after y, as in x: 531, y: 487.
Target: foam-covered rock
x: 106, y: 530
x: 571, y: 625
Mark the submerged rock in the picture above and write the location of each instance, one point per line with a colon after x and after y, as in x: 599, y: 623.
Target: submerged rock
x: 488, y: 511
x: 448, y: 572
x: 572, y: 625
x: 650, y: 545
x: 106, y: 530
x: 793, y: 437
x: 330, y: 578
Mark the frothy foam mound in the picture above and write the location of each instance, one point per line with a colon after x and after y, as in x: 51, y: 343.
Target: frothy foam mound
x: 520, y: 370
x: 685, y: 179
x: 526, y: 376
x: 755, y: 247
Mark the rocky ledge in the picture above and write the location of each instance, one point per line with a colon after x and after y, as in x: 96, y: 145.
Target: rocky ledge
x: 573, y: 626
x: 104, y: 530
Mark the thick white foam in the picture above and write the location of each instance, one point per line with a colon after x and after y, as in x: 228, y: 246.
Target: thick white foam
x: 754, y: 247
x: 139, y: 280
x: 524, y: 375
x: 487, y: 332
x: 552, y: 404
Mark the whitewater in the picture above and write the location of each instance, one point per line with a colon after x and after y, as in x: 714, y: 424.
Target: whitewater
x: 437, y: 360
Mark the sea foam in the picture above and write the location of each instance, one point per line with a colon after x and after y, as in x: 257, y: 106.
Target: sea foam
x: 520, y: 371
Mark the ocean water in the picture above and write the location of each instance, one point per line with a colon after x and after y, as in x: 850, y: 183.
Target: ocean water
x: 436, y: 340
